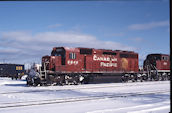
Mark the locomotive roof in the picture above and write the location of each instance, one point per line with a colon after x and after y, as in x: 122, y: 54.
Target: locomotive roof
x: 77, y: 48
x: 160, y: 54
x: 67, y: 48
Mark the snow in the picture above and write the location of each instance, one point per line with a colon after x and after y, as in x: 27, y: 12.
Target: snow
x: 137, y: 97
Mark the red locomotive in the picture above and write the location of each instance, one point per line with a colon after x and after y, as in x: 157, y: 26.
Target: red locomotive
x: 88, y: 65
x: 157, y: 66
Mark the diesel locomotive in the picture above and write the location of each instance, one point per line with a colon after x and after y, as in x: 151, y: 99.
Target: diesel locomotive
x: 157, y: 66
x: 88, y: 65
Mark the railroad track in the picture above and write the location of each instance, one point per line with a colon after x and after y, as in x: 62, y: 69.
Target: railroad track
x: 64, y: 89
x: 78, y: 99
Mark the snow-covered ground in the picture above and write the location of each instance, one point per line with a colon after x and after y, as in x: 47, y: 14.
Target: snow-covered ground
x: 138, y: 97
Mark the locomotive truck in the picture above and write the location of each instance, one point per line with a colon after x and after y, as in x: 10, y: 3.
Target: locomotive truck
x: 88, y: 65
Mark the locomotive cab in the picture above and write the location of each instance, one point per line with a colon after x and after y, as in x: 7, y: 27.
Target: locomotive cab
x: 59, y: 52
x: 57, y: 59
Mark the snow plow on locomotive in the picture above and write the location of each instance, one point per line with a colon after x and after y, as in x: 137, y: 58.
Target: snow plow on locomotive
x: 88, y: 65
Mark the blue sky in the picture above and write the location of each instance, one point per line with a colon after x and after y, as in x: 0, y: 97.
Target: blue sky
x: 29, y: 30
